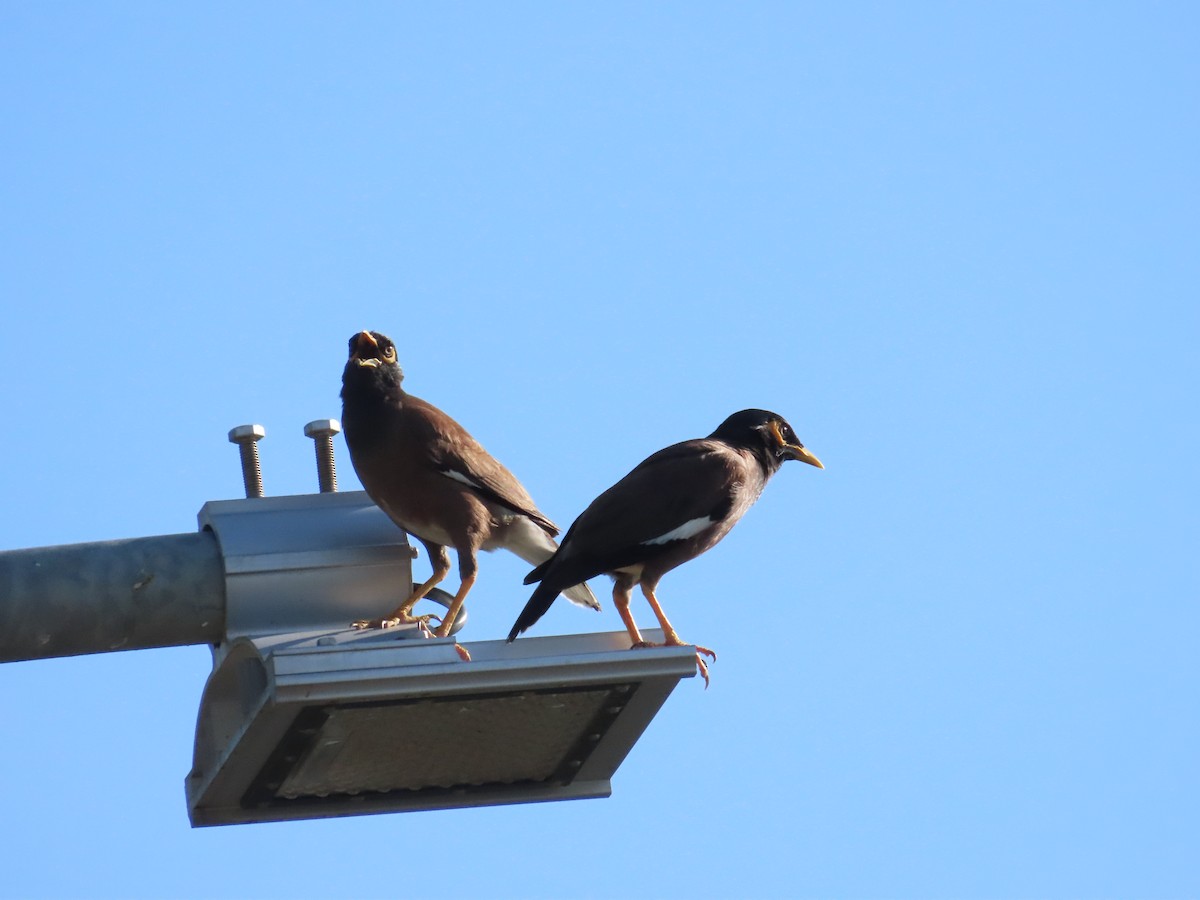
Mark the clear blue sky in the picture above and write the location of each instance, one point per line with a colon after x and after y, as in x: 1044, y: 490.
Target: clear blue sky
x: 954, y: 244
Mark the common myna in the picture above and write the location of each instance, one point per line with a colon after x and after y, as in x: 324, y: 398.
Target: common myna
x: 671, y: 508
x: 434, y: 480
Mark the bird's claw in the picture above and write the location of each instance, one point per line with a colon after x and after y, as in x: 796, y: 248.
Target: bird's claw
x: 392, y: 621
x: 701, y: 652
x: 422, y: 623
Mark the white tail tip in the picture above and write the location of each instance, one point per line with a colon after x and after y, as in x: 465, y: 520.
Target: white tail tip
x: 582, y: 595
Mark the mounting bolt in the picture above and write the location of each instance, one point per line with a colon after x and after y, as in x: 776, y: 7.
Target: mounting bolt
x: 247, y: 438
x: 322, y: 432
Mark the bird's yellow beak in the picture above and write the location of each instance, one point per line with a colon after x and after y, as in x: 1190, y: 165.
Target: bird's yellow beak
x: 365, y: 340
x: 795, y: 451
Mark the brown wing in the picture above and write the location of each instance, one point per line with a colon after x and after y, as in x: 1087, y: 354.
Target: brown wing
x: 456, y: 455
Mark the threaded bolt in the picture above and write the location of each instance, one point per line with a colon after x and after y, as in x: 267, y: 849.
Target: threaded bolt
x: 322, y: 432
x: 247, y: 438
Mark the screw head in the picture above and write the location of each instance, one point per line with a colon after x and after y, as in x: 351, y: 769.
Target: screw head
x: 321, y: 427
x: 243, y: 433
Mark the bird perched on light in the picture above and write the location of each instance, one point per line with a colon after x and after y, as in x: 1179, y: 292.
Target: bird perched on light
x: 435, y: 481
x: 676, y: 504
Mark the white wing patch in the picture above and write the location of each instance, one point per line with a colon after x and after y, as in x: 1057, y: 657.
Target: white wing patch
x: 460, y: 477
x: 502, y: 513
x: 683, y: 532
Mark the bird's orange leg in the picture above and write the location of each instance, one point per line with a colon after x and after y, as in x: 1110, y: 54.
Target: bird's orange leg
x: 443, y: 630
x: 672, y: 639
x: 402, y: 614
x: 621, y: 592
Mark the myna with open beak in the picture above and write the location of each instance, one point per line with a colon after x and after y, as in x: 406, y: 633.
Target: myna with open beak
x: 435, y: 481
x: 675, y: 505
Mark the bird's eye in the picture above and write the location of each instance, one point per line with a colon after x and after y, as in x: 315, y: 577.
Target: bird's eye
x: 389, y: 354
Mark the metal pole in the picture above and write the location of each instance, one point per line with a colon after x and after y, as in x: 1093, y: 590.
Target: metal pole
x: 164, y: 591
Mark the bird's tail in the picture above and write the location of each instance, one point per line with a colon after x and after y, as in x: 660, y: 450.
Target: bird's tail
x: 542, y: 597
x: 534, y: 546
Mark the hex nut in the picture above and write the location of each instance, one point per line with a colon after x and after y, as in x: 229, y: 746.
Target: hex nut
x: 243, y: 433
x: 321, y: 427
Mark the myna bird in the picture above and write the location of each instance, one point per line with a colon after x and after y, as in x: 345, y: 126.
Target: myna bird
x: 434, y: 480
x: 671, y: 508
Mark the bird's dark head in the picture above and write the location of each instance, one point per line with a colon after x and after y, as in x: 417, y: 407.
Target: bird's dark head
x: 372, y: 362
x: 765, y: 433
x: 371, y: 349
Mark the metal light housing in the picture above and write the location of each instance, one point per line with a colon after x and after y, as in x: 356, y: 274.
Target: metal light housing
x: 318, y: 725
